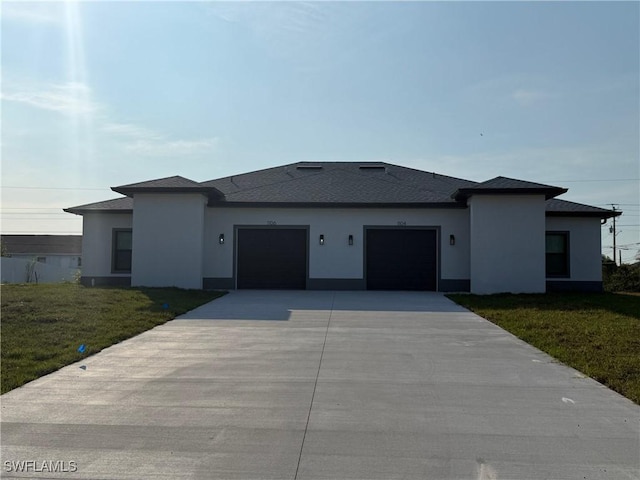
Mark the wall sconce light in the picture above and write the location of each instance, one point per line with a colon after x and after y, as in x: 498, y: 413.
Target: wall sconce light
x: 452, y: 239
x: 221, y: 239
x: 350, y: 240
x: 321, y: 239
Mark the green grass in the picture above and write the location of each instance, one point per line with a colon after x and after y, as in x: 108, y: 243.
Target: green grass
x: 597, y: 334
x: 43, y: 325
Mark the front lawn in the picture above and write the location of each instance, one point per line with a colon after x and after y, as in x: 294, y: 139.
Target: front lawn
x: 43, y: 326
x: 597, y: 334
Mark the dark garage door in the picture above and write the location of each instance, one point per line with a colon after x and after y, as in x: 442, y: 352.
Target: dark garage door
x: 272, y: 258
x: 401, y: 259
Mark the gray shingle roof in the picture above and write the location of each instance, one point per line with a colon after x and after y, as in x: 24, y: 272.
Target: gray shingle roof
x: 117, y: 205
x: 346, y: 183
x: 564, y: 208
x: 175, y: 184
x: 43, y: 244
x: 504, y: 185
x: 331, y: 184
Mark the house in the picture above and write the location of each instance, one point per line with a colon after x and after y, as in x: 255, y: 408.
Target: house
x: 63, y: 251
x: 40, y: 258
x: 343, y: 225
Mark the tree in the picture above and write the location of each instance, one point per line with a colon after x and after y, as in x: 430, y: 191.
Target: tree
x: 3, y: 250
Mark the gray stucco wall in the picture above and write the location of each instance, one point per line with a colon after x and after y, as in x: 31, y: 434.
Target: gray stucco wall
x: 585, y: 247
x: 507, y: 243
x: 336, y: 259
x: 97, y: 233
x: 167, y: 240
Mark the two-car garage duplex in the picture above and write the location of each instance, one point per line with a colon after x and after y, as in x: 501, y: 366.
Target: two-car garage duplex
x: 343, y: 225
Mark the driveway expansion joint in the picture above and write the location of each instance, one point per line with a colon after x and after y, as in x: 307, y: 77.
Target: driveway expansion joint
x: 315, y: 385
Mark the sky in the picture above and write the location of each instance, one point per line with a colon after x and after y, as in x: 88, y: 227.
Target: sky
x: 100, y: 94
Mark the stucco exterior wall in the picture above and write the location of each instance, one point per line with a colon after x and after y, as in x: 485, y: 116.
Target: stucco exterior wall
x: 507, y: 250
x: 335, y: 259
x: 97, y: 235
x: 585, y: 252
x: 168, y: 231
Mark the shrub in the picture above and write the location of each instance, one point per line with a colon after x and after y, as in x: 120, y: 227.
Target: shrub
x: 625, y: 278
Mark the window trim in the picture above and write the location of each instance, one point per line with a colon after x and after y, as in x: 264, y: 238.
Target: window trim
x: 114, y: 250
x: 567, y: 253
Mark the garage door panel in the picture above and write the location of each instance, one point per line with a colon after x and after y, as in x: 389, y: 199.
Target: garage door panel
x: 272, y: 258
x: 401, y: 259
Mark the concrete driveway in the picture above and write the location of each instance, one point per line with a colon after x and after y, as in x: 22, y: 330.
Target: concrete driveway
x: 331, y: 385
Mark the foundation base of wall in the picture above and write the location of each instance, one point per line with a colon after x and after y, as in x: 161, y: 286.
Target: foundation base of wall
x: 454, y: 285
x: 218, y: 283
x: 573, y: 286
x: 336, y: 284
x: 445, y: 285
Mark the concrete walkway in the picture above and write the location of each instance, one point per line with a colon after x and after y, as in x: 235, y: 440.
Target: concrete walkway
x: 321, y: 385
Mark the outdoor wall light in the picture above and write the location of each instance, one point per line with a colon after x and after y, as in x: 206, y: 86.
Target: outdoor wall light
x: 350, y: 239
x: 321, y: 239
x: 221, y: 239
x: 452, y: 239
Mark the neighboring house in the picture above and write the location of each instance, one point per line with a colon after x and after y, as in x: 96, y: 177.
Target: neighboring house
x: 339, y: 225
x: 63, y: 251
x: 41, y: 258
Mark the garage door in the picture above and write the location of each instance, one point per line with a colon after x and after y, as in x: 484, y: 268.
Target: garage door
x: 272, y: 258
x: 401, y: 259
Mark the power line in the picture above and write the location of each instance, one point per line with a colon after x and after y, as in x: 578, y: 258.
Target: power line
x: 54, y: 188
x: 619, y: 204
x: 595, y: 180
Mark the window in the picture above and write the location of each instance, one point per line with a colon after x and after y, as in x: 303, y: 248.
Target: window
x: 122, y: 241
x: 41, y: 259
x: 557, y: 252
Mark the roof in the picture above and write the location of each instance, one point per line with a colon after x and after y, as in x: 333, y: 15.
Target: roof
x: 339, y: 183
x: 43, y: 244
x: 508, y: 186
x: 564, y: 208
x: 117, y: 205
x: 342, y: 184
x: 175, y: 184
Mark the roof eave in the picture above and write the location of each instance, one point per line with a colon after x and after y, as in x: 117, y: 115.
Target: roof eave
x: 129, y: 192
x: 223, y: 204
x: 82, y: 211
x: 464, y: 193
x: 603, y: 215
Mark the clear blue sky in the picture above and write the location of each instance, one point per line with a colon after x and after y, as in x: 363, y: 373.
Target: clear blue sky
x: 98, y: 94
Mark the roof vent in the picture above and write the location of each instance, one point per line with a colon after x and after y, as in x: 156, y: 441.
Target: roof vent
x: 309, y: 167
x: 372, y: 167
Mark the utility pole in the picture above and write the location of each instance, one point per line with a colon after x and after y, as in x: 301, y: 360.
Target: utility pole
x: 612, y: 230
